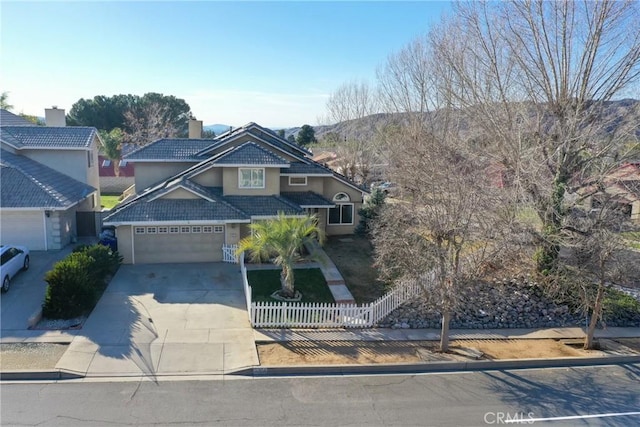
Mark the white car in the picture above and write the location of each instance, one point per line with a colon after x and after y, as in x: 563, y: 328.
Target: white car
x: 12, y: 260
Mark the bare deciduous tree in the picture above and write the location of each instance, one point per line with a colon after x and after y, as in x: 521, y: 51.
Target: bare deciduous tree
x: 449, y: 222
x: 356, y: 155
x: 535, y: 77
x: 594, y: 260
x: 149, y: 123
x: 352, y: 100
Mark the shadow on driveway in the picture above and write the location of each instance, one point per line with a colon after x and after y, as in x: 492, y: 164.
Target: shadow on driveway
x: 166, y: 319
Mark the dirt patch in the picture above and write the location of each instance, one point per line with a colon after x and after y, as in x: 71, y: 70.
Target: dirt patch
x: 358, y: 353
x: 354, y: 259
x: 30, y: 355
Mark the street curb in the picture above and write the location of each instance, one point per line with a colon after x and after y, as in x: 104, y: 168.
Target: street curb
x: 38, y: 375
x: 426, y: 367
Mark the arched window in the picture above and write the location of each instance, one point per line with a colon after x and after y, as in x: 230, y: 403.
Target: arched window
x: 341, y: 197
x: 342, y: 213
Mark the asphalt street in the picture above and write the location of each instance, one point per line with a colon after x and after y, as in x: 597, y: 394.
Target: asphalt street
x: 603, y: 395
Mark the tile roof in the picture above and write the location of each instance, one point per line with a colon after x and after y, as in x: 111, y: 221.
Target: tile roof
x: 264, y: 205
x: 29, y: 184
x: 175, y: 210
x: 7, y: 118
x: 307, y: 198
x: 48, y: 137
x: 250, y: 153
x: 171, y: 149
x: 265, y: 134
x: 300, y: 168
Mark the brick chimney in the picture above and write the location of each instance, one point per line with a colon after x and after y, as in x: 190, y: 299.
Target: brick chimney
x: 54, y: 116
x: 195, y: 129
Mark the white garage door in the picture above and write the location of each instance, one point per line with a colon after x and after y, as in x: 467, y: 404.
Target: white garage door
x: 178, y: 244
x: 22, y: 228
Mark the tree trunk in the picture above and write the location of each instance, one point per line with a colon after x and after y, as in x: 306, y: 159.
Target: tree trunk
x: 286, y: 280
x: 549, y: 251
x: 444, y: 333
x: 595, y: 314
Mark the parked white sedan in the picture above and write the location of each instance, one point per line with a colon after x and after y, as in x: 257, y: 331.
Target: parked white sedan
x: 13, y: 259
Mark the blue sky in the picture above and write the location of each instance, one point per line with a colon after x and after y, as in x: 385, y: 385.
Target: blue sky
x: 274, y: 63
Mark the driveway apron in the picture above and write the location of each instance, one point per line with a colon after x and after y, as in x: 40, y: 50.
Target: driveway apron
x: 166, y: 319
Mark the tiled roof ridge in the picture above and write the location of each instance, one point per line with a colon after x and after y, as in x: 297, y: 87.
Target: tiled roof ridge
x: 252, y: 144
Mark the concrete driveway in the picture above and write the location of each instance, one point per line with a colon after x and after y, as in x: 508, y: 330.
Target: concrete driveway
x: 26, y: 295
x: 166, y: 319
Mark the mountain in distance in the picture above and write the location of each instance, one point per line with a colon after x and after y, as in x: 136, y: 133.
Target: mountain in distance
x: 217, y: 128
x: 220, y: 129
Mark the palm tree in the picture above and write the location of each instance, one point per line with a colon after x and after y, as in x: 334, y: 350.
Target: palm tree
x: 112, y: 147
x: 282, y: 237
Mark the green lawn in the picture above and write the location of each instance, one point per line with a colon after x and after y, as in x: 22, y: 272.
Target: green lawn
x: 108, y: 201
x: 632, y: 238
x: 309, y: 281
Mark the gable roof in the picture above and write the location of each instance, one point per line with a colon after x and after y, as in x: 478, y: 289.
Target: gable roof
x: 170, y: 149
x: 29, y: 184
x: 308, y: 199
x: 303, y: 168
x: 34, y: 137
x: 7, y: 118
x: 251, y: 153
x: 266, y: 134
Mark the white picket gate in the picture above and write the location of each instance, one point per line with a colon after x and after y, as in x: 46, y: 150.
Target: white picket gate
x: 229, y: 253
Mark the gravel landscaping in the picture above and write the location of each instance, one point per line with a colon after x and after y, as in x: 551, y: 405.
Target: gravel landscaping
x: 496, y: 305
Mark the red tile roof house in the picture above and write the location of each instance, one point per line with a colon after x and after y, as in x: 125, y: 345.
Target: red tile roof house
x: 109, y: 181
x: 195, y: 197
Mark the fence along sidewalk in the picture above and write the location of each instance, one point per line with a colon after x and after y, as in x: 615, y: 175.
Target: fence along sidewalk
x: 323, y: 315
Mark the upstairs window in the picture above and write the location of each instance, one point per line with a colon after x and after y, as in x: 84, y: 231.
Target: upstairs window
x: 251, y: 177
x: 297, y: 180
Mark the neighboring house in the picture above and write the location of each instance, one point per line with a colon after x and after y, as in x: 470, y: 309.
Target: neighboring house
x: 622, y: 185
x: 195, y: 196
x: 48, y: 181
x: 109, y: 181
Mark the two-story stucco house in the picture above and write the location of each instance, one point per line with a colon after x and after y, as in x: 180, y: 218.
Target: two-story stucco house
x: 196, y: 196
x: 48, y: 181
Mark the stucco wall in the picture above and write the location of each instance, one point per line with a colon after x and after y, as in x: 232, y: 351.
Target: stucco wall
x: 61, y: 227
x: 148, y: 174
x: 209, y: 178
x: 123, y: 234
x: 72, y: 163
x: 232, y: 233
x: 180, y: 193
x: 230, y: 183
x: 314, y: 183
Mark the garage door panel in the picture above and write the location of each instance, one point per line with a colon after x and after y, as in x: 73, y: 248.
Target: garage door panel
x: 23, y: 228
x: 178, y: 248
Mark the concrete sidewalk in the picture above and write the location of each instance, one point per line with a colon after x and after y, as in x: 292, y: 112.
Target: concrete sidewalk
x: 176, y: 356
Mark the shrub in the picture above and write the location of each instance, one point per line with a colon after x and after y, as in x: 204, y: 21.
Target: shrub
x: 72, y: 289
x: 76, y: 283
x: 106, y: 261
x: 618, y: 305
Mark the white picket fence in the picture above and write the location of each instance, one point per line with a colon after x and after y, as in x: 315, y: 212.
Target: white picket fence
x: 229, y: 253
x: 323, y: 315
